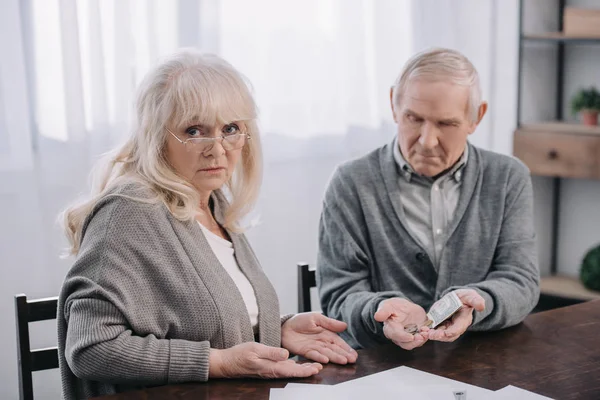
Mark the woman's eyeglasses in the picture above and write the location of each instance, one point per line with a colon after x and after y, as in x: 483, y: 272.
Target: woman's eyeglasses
x: 205, y: 144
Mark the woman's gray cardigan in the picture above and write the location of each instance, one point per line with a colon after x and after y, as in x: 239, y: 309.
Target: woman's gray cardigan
x: 146, y: 300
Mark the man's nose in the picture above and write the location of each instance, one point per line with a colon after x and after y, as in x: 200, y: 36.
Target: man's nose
x: 429, y: 136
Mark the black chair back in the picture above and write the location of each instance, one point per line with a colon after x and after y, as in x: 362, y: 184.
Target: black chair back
x: 306, y: 280
x: 29, y: 360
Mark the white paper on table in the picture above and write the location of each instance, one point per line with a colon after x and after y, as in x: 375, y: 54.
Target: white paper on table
x: 301, y: 385
x: 354, y: 392
x: 514, y: 393
x: 301, y: 392
x: 397, y: 383
x: 413, y: 379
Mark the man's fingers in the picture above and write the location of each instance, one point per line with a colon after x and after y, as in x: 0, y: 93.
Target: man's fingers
x: 439, y: 333
x: 460, y: 323
x: 475, y: 301
x: 449, y: 331
x: 471, y: 298
x: 383, y: 313
x: 395, y: 332
x: 417, y: 342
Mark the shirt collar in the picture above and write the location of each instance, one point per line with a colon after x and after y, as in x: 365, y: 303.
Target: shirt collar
x: 407, y: 171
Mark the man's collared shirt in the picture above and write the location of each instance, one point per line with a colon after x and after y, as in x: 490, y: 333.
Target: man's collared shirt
x: 429, y: 204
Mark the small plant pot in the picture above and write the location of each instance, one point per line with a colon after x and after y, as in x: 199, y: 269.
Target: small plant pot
x: 589, y: 117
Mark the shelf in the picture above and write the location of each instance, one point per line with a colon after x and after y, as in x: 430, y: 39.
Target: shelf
x: 559, y: 150
x: 561, y: 127
x: 567, y: 287
x: 559, y: 37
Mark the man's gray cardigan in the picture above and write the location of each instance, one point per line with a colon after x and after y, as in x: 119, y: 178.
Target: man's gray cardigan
x: 367, y: 252
x: 147, y: 298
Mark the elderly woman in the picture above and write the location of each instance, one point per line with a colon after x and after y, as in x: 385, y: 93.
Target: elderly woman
x: 165, y: 287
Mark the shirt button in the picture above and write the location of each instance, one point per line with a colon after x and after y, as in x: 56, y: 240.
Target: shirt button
x: 438, y: 231
x: 436, y: 188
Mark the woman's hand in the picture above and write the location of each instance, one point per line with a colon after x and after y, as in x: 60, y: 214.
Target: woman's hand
x: 255, y: 360
x: 314, y: 336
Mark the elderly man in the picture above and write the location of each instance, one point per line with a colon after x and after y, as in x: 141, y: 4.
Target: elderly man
x: 426, y: 215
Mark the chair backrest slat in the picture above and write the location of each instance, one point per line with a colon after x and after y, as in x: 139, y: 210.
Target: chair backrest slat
x: 39, y: 359
x: 42, y: 309
x: 44, y: 359
x: 306, y: 280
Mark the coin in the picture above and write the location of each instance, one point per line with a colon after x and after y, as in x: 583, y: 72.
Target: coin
x: 411, y: 328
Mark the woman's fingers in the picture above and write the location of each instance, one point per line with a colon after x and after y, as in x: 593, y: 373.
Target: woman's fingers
x: 270, y: 353
x: 291, y: 369
x: 317, y: 356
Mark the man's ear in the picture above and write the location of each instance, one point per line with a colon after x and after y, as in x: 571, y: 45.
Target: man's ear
x: 480, y: 114
x: 392, y: 104
x: 482, y: 110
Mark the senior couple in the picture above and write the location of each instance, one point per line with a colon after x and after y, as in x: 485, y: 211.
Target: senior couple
x: 165, y: 287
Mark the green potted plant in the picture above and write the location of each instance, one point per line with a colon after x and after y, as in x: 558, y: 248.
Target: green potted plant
x: 590, y: 269
x: 587, y: 103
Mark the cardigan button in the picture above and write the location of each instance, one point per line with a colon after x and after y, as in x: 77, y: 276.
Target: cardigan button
x: 421, y: 257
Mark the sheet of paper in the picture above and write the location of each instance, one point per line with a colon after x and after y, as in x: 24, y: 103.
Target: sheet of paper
x: 301, y: 385
x: 301, y: 392
x: 401, y: 382
x: 413, y: 379
x: 354, y: 392
x: 515, y: 393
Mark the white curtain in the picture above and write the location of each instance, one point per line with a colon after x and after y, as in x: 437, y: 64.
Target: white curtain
x: 318, y: 67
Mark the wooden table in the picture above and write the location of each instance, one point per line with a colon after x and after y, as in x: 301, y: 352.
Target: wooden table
x: 554, y: 353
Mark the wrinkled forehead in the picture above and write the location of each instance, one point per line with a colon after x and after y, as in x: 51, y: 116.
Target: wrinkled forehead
x: 439, y: 99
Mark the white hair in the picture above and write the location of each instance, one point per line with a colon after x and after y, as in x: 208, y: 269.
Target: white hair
x: 185, y: 87
x: 439, y: 64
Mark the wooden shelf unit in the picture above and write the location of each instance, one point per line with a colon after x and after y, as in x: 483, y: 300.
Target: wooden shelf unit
x: 559, y: 150
x: 567, y: 287
x: 562, y: 127
x: 560, y: 37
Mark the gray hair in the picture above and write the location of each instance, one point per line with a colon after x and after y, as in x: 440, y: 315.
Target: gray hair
x: 441, y: 64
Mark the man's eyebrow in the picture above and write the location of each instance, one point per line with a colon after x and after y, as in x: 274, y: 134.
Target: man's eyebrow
x: 451, y: 121
x: 411, y: 112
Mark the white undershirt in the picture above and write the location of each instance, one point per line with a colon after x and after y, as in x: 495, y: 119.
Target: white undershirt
x: 223, y: 249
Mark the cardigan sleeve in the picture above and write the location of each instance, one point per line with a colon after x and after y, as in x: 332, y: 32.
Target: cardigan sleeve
x: 511, y: 288
x: 101, y: 347
x: 99, y: 343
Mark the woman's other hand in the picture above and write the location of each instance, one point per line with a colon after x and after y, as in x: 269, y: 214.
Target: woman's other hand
x: 315, y: 336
